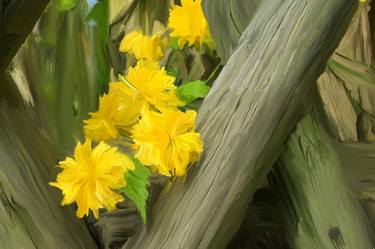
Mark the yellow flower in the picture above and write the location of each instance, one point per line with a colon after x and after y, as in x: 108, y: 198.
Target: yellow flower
x: 142, y: 46
x: 189, y: 24
x: 167, y: 141
x: 90, y: 178
x: 151, y: 84
x: 117, y: 111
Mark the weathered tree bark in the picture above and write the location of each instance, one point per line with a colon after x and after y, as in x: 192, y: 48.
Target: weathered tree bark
x: 303, y: 178
x: 279, y: 57
x: 228, y: 19
x: 311, y: 180
x: 17, y: 18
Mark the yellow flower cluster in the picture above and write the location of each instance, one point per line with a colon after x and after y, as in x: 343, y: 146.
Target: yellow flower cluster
x: 188, y: 24
x: 90, y: 178
x: 167, y: 141
x: 144, y: 47
x: 164, y: 138
x: 142, y: 107
x: 114, y: 113
x: 145, y: 87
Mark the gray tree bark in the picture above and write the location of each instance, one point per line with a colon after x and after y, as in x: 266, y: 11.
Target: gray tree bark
x: 228, y: 19
x: 247, y: 116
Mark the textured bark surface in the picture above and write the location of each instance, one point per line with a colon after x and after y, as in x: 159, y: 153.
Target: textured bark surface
x: 279, y: 56
x: 228, y: 19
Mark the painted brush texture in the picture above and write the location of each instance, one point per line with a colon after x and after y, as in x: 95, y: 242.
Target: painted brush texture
x: 309, y: 183
x: 30, y: 215
x: 241, y: 141
x: 57, y: 76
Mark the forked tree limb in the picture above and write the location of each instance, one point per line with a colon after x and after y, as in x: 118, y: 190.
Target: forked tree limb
x: 245, y: 119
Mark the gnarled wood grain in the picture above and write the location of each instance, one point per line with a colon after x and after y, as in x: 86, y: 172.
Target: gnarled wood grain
x: 245, y: 119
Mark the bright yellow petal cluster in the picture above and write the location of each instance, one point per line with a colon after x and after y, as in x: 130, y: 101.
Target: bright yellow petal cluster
x: 118, y: 110
x: 150, y: 83
x: 90, y: 178
x: 188, y: 23
x: 143, y: 47
x: 167, y: 141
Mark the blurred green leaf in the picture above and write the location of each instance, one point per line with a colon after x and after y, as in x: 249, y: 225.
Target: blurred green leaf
x: 171, y: 71
x: 65, y: 5
x: 173, y: 43
x: 137, y: 181
x: 97, y: 20
x: 192, y: 91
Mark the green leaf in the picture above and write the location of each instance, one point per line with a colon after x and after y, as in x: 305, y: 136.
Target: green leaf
x: 170, y: 71
x: 192, y: 91
x: 65, y: 5
x: 137, y: 182
x: 173, y: 43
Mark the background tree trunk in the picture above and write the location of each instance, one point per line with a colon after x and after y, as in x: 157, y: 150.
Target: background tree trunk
x: 269, y: 66
x: 17, y: 18
x: 30, y: 212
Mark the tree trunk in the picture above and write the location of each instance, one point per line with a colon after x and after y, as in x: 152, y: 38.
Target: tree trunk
x: 279, y: 57
x: 228, y: 19
x: 30, y: 212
